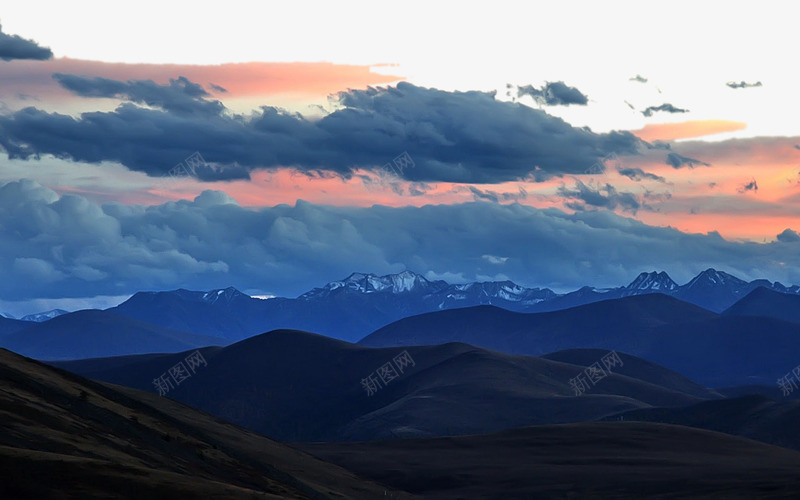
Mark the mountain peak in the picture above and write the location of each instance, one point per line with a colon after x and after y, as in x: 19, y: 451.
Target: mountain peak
x: 44, y: 316
x: 712, y: 277
x: 405, y: 281
x: 653, y: 281
x: 223, y: 294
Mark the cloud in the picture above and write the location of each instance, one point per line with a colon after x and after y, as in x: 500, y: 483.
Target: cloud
x: 788, y: 236
x: 606, y: 196
x: 55, y: 246
x: 743, y: 85
x: 493, y: 259
x: 638, y: 78
x: 637, y: 174
x: 677, y: 161
x: 180, y: 96
x: 554, y: 94
x: 465, y: 137
x: 496, y: 197
x: 750, y: 186
x: 15, y: 47
x: 666, y: 107
x: 217, y: 88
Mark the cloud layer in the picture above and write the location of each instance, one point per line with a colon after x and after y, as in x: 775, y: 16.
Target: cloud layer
x: 66, y: 246
x: 15, y: 47
x: 554, y: 94
x: 465, y: 137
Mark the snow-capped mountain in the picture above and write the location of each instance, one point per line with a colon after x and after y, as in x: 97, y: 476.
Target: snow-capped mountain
x: 225, y: 295
x: 495, y: 292
x: 44, y: 316
x: 653, y: 282
x: 354, y: 307
x: 6, y: 315
x: 404, y: 282
x: 439, y: 293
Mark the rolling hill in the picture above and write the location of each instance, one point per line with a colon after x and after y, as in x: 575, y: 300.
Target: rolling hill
x: 588, y: 460
x: 755, y: 417
x: 711, y: 349
x: 767, y: 303
x: 94, y: 333
x: 68, y: 437
x: 296, y: 386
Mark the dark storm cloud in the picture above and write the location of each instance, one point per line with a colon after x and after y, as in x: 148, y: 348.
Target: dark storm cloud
x: 467, y: 137
x: 788, y: 236
x: 554, y: 94
x: 217, y: 88
x: 67, y: 246
x: 15, y: 47
x: 677, y: 161
x: 180, y: 96
x: 666, y: 107
x: 638, y: 78
x: 742, y: 85
x: 583, y: 196
x: 637, y: 174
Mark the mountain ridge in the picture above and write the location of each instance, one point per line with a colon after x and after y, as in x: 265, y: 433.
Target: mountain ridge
x: 359, y: 304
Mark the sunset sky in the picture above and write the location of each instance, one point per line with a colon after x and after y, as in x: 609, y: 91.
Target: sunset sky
x: 553, y: 144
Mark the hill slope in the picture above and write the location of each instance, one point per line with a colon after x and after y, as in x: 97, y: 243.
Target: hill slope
x: 68, y: 437
x: 754, y: 417
x: 93, y: 333
x: 711, y: 349
x: 592, y: 460
x: 768, y: 304
x: 296, y: 386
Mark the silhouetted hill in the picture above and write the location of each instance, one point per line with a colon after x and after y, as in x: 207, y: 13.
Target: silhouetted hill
x: 588, y: 460
x: 703, y: 346
x: 68, y: 437
x: 754, y: 417
x: 93, y: 333
x: 8, y: 326
x: 298, y: 386
x: 768, y: 304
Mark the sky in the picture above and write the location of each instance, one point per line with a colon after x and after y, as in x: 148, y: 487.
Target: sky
x: 276, y: 146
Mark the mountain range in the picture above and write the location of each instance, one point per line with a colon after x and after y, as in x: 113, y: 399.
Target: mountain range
x: 93, y: 333
x: 356, y: 306
x: 362, y: 304
x: 712, y: 349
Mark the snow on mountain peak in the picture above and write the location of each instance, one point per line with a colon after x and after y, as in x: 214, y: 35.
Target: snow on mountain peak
x: 712, y: 277
x: 44, y: 316
x: 653, y: 281
x: 225, y: 294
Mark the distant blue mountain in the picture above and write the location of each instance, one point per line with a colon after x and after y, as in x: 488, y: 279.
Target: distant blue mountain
x: 712, y: 349
x: 348, y: 309
x: 94, y: 333
x: 354, y: 307
x: 44, y: 316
